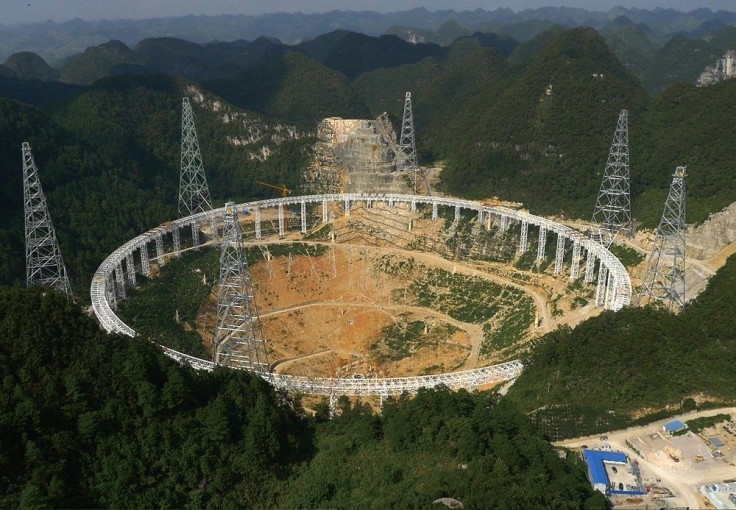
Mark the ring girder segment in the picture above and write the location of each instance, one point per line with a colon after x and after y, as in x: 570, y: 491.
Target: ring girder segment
x: 618, y: 293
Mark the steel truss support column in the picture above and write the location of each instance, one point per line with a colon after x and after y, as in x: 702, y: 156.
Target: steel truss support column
x: 177, y: 241
x: 160, y: 249
x: 575, y: 263
x: 257, y: 214
x: 194, y: 195
x: 600, y: 290
x: 238, y: 340
x: 281, y: 220
x: 130, y: 266
x: 610, y: 290
x: 44, y: 263
x: 457, y: 213
x: 435, y: 212
x: 406, y: 158
x: 524, y: 237
x: 541, y: 245
x: 110, y: 295
x: 413, y: 206
x: 333, y: 404
x: 589, y: 266
x: 664, y: 279
x: 504, y: 223
x: 304, y: 217
x: 325, y: 216
x: 120, y: 280
x: 213, y: 228
x: 195, y: 234
x: 145, y: 262
x: 612, y: 213
x: 347, y: 207
x: 559, y: 253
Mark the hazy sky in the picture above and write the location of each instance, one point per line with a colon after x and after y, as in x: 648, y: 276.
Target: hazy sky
x: 29, y: 11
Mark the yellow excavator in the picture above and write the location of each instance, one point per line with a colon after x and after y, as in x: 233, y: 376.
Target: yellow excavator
x: 283, y: 189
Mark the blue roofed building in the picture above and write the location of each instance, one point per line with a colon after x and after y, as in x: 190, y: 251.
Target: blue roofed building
x: 674, y: 426
x: 596, y: 461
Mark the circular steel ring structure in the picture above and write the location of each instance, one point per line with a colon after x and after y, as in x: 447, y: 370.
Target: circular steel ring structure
x: 616, y: 288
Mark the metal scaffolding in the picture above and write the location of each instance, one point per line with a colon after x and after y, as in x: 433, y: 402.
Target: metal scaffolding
x: 239, y: 338
x: 612, y: 212
x: 613, y: 291
x: 194, y: 195
x: 664, y: 279
x: 44, y: 264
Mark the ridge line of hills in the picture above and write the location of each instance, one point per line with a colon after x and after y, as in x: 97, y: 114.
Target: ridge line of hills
x: 57, y: 41
x: 532, y: 124
x: 658, y: 63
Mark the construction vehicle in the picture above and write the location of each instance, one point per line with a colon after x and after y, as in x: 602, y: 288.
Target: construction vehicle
x: 282, y: 188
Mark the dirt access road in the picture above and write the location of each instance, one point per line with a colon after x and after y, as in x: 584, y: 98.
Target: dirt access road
x: 547, y: 321
x: 475, y: 332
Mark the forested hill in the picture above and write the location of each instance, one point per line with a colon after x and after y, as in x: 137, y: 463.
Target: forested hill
x: 108, y: 159
x: 593, y: 378
x: 538, y: 129
x: 532, y: 126
x: 91, y: 420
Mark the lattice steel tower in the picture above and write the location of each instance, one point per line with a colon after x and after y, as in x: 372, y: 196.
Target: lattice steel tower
x: 239, y: 338
x: 612, y: 212
x: 665, y: 276
x: 44, y: 265
x: 406, y: 159
x: 194, y: 196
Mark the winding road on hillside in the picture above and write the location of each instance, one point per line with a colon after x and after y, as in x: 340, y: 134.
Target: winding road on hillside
x: 475, y: 332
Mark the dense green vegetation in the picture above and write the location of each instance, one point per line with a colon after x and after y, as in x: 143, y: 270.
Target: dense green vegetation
x: 698, y: 424
x: 629, y: 257
x: 91, y: 420
x: 295, y: 88
x: 537, y: 128
x: 108, y: 162
x: 534, y: 126
x: 164, y: 308
x: 438, y: 444
x: 639, y: 358
x: 94, y: 206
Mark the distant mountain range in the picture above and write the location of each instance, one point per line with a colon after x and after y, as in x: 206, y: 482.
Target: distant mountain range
x: 530, y: 121
x: 57, y: 41
x: 681, y: 59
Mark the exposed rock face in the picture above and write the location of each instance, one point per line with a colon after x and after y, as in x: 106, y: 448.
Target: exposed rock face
x: 255, y: 135
x: 717, y: 232
x: 723, y: 69
x: 354, y: 156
